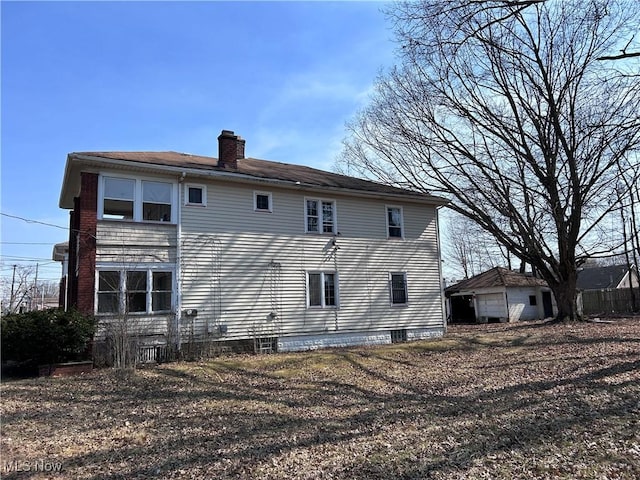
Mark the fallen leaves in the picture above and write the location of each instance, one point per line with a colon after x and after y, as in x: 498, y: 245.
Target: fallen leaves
x: 487, y: 401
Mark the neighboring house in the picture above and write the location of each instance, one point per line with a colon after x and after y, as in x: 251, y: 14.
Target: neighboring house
x: 196, y: 249
x: 607, y: 278
x: 61, y: 254
x: 501, y: 295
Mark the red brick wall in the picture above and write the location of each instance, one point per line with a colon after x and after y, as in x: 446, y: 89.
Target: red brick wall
x: 72, y: 281
x: 84, y: 221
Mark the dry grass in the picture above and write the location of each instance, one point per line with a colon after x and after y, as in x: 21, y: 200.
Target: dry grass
x: 493, y: 401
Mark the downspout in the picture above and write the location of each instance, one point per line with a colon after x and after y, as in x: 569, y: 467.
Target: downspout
x: 179, y: 261
x: 443, y: 308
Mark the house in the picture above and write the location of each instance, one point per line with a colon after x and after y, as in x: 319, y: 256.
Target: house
x: 61, y: 254
x: 607, y: 278
x: 192, y: 249
x: 501, y: 295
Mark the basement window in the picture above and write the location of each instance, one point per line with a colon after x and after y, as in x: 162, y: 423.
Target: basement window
x: 399, y: 336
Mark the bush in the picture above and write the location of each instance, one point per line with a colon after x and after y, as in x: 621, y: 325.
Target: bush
x: 46, y: 336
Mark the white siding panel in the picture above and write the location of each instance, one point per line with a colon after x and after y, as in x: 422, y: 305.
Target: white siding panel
x: 246, y: 270
x: 519, y: 307
x: 129, y: 242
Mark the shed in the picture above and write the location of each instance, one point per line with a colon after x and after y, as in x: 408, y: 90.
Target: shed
x: 499, y: 295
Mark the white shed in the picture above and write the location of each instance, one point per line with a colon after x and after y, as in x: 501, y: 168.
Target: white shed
x: 500, y: 295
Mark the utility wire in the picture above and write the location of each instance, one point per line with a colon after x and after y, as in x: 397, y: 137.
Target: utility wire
x: 28, y: 220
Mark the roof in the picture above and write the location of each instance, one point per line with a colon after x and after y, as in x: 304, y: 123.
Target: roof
x: 496, y: 277
x: 598, y: 278
x: 249, y: 170
x: 59, y: 251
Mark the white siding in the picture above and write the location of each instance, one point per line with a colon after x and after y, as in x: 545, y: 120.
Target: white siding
x: 135, y: 243
x: 519, y: 304
x: 246, y: 270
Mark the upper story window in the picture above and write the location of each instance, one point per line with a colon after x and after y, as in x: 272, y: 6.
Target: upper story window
x: 118, y: 198
x: 156, y: 201
x: 195, y: 195
x: 136, y: 199
x: 320, y: 216
x: 262, y: 202
x: 395, y: 227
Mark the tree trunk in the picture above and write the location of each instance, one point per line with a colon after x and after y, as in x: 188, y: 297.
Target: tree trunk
x: 565, y: 294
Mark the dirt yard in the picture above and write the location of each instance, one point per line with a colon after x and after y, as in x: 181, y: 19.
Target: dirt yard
x: 493, y: 401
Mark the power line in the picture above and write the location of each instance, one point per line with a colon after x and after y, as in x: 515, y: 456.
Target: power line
x: 26, y: 243
x: 28, y: 220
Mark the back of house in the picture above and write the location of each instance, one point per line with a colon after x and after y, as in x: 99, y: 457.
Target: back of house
x: 183, y: 250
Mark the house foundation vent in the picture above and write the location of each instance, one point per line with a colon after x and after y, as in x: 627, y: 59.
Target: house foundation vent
x: 266, y: 344
x: 399, y: 336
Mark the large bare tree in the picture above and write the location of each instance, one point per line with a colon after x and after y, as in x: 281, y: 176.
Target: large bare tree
x: 504, y: 107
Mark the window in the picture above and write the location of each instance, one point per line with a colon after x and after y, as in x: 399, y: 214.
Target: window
x: 322, y: 289
x: 108, y: 288
x: 262, y: 202
x: 118, y: 198
x: 320, y: 216
x: 533, y: 300
x: 138, y: 200
x: 134, y: 291
x: 156, y: 201
x: 398, y: 287
x: 394, y: 222
x: 195, y: 195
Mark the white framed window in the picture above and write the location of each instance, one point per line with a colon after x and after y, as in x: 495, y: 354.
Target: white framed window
x: 137, y: 291
x: 137, y: 199
x: 195, y: 195
x: 395, y: 222
x: 398, y: 288
x: 320, y: 216
x: 118, y: 198
x: 322, y: 289
x: 262, y: 202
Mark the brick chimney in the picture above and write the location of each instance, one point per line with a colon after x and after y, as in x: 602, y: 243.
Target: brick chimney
x: 230, y: 149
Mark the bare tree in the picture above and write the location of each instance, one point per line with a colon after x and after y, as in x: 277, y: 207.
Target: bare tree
x: 508, y: 112
x: 468, y: 249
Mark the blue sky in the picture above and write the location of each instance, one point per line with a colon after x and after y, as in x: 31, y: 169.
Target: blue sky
x: 96, y: 76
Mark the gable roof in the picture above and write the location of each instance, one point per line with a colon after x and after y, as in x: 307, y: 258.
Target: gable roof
x: 249, y: 170
x: 496, y: 277
x: 598, y: 278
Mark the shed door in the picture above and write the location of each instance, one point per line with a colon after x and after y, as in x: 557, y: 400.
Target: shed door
x: 491, y: 305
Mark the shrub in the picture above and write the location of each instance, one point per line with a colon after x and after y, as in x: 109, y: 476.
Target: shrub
x: 46, y: 336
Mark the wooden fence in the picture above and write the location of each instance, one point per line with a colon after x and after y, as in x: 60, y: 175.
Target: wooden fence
x: 616, y: 301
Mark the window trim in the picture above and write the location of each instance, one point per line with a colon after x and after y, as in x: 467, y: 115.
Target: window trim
x: 334, y: 215
x: 255, y: 201
x: 336, y: 289
x: 386, y: 217
x: 406, y: 290
x: 202, y: 187
x: 138, y: 200
x: 122, y: 288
